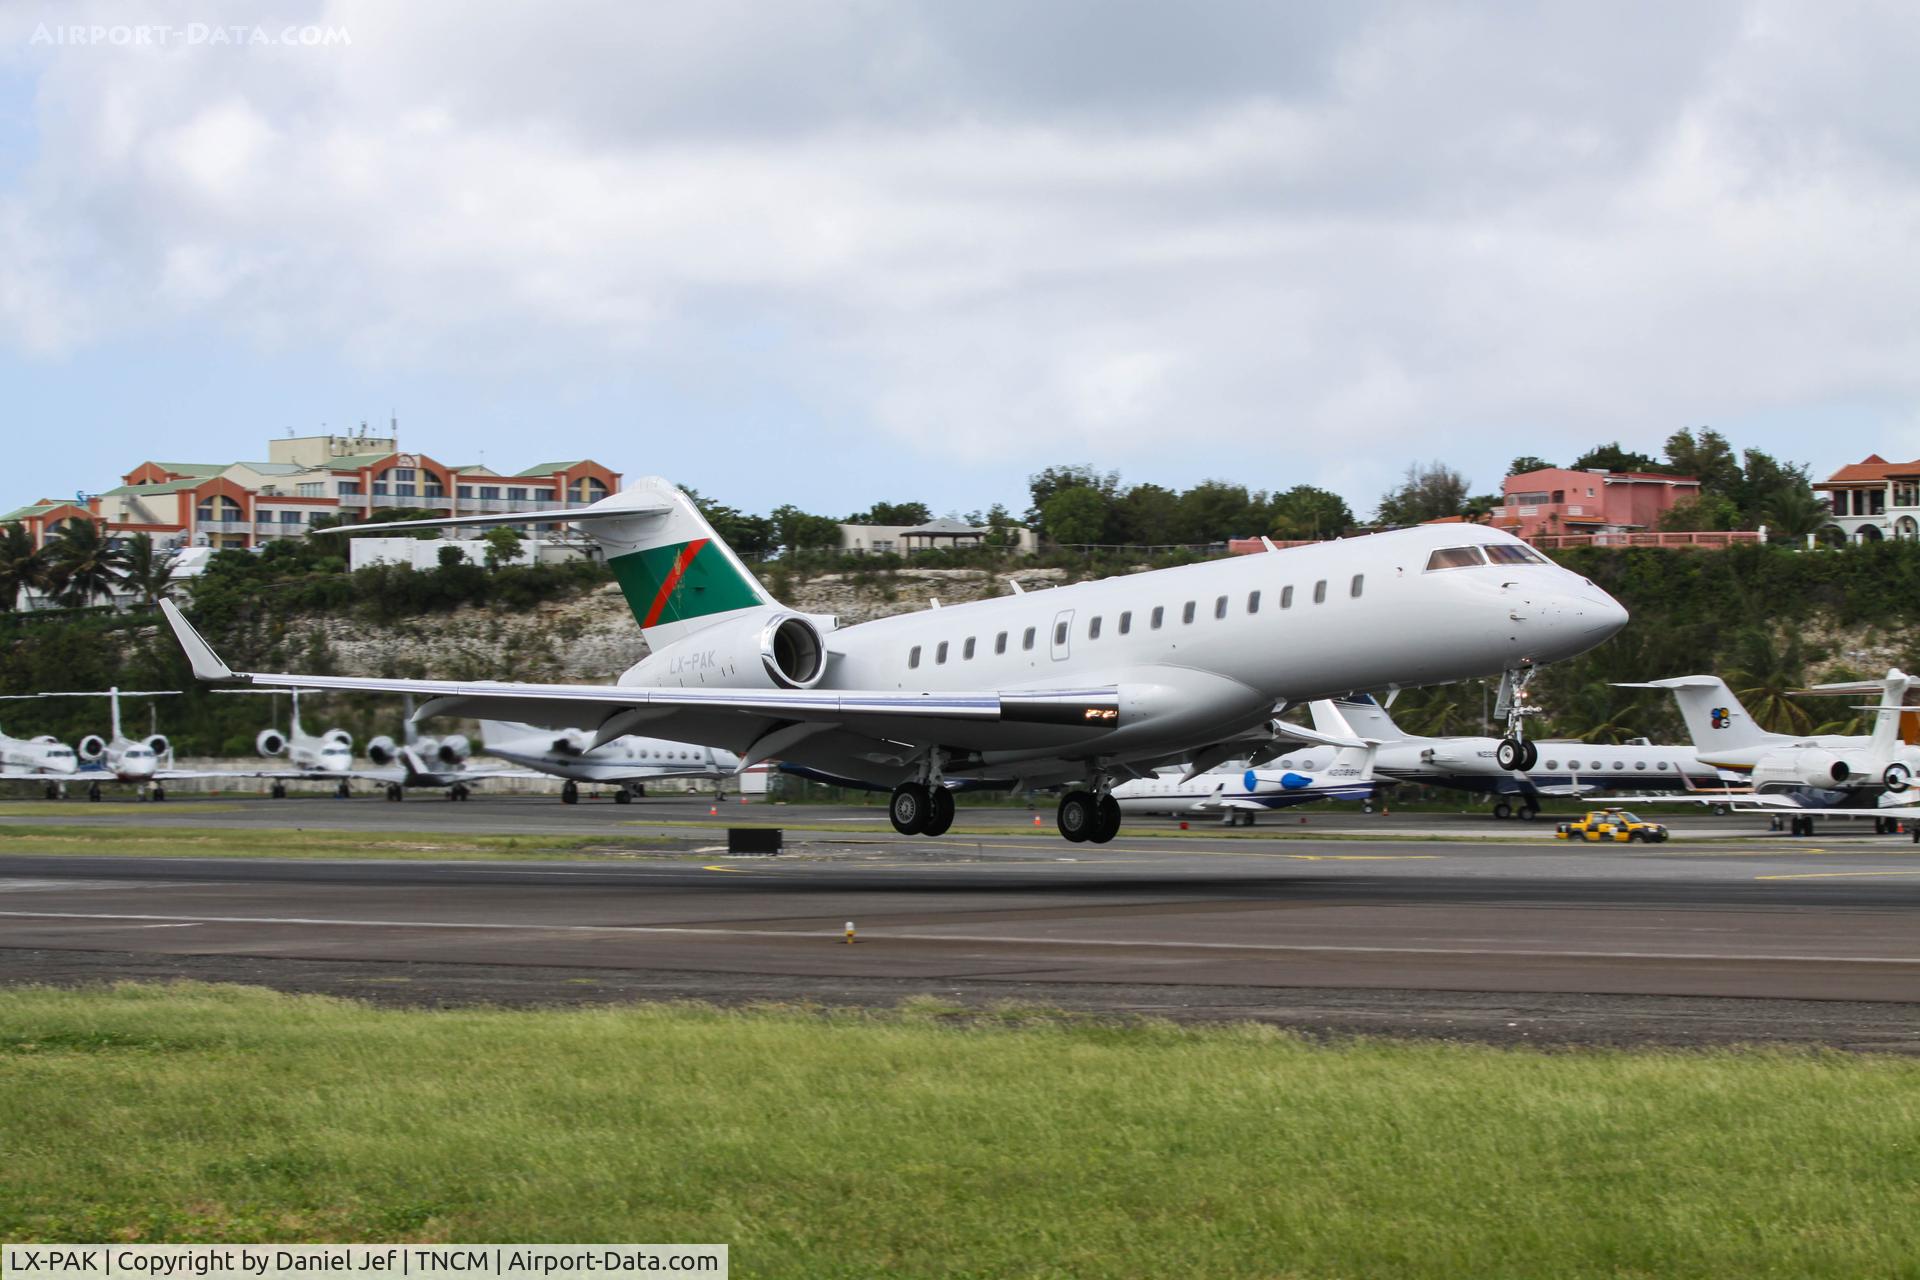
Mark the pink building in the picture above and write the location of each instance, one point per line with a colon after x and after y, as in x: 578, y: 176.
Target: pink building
x: 1559, y: 501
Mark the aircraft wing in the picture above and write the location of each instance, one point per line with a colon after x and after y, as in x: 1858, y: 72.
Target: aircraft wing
x: 619, y: 709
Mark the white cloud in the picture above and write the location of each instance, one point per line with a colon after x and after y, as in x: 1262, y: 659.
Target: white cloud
x: 1123, y: 233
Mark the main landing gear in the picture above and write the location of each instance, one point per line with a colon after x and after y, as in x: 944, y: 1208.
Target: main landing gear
x: 923, y: 807
x: 93, y: 791
x: 569, y: 792
x: 1527, y: 810
x: 458, y: 791
x: 1092, y: 816
x: 278, y: 791
x: 395, y: 792
x: 1515, y: 753
x: 343, y: 792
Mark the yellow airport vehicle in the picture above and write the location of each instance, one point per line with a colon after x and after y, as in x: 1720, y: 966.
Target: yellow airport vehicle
x: 1618, y: 825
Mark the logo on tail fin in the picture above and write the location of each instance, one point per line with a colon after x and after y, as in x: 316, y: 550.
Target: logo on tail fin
x: 1722, y: 717
x: 680, y: 582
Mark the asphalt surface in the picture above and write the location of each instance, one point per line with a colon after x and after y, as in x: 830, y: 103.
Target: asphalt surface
x: 1422, y: 924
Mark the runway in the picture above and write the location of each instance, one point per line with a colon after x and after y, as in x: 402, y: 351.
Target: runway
x: 1736, y: 938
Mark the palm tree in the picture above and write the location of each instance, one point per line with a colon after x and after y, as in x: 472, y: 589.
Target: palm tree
x: 23, y: 566
x: 148, y: 570
x: 82, y: 565
x: 1764, y: 675
x: 1793, y: 513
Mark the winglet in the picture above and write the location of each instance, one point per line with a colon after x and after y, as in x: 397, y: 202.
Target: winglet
x: 206, y: 663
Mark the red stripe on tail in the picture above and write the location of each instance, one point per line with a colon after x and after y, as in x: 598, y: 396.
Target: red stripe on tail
x: 674, y: 575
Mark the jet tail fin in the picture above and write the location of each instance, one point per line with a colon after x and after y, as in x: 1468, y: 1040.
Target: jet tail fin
x: 1714, y: 716
x: 1357, y: 715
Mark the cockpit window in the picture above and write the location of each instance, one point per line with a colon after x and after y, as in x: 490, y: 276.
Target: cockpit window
x: 1514, y: 553
x: 1454, y: 558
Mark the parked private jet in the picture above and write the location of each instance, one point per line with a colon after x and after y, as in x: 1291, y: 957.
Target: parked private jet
x: 1082, y: 686
x: 44, y: 759
x: 326, y: 757
x: 143, y: 763
x: 1337, y: 766
x: 1807, y: 774
x: 1561, y: 768
x: 627, y: 763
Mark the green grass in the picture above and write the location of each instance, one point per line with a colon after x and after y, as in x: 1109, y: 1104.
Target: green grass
x: 290, y: 842
x: 915, y: 1144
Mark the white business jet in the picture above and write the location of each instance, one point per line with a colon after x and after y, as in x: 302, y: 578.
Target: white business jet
x: 143, y: 763
x: 1080, y: 687
x: 627, y: 764
x: 44, y: 759
x: 1328, y: 765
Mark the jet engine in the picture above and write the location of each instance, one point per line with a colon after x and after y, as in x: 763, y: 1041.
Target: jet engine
x: 271, y: 742
x: 91, y: 747
x: 159, y: 745
x: 1806, y: 767
x: 338, y: 738
x: 382, y: 750
x: 572, y: 742
x: 452, y: 749
x: 770, y: 650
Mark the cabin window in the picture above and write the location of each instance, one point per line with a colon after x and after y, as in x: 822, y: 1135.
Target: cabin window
x: 1640, y: 764
x: 1253, y: 602
x: 1573, y: 764
x: 1320, y: 591
x: 1359, y: 585
x: 1026, y: 641
x: 1126, y: 622
x: 1286, y: 597
x: 1186, y: 614
x: 1159, y: 616
x: 1662, y: 765
x: 1000, y: 643
x: 1619, y: 765
x: 940, y: 652
x: 1454, y: 558
x: 1553, y: 764
x: 913, y: 657
x: 1093, y: 627
x: 966, y: 650
x: 1060, y: 632
x: 1220, y: 607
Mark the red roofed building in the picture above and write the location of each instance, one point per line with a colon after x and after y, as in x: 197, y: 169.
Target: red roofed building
x: 1873, y: 499
x: 1556, y: 500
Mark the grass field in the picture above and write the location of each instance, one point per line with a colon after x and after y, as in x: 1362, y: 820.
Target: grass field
x: 292, y: 842
x: 909, y: 1144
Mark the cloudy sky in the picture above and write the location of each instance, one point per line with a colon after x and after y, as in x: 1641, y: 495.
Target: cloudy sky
x: 847, y: 250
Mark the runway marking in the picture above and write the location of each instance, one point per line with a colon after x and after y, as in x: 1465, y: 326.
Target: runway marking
x: 738, y: 871
x: 878, y: 936
x: 1836, y: 875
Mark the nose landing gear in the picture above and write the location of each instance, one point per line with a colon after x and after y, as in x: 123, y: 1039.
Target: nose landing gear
x: 1515, y: 753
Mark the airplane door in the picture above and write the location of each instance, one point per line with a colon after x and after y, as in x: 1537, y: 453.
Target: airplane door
x: 1062, y: 635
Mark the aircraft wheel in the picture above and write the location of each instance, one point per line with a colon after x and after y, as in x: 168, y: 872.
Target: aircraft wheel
x: 1076, y: 816
x: 1528, y: 812
x: 159, y: 793
x: 342, y: 792
x: 1720, y: 811
x: 1509, y: 754
x: 53, y: 792
x: 279, y: 791
x: 623, y: 796
x: 639, y: 788
x: 909, y: 808
x: 1916, y: 833
x: 394, y: 792
x: 458, y: 792
x: 569, y: 793
x: 1106, y: 820
x: 940, y: 810
x: 1502, y: 810
x: 93, y: 791
x: 1532, y: 754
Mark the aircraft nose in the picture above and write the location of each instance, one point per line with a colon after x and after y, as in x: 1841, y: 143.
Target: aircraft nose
x: 1587, y: 616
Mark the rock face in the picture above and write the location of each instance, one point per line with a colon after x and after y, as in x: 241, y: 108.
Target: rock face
x: 594, y: 637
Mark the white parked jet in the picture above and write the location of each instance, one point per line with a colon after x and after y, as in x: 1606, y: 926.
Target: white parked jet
x: 44, y: 759
x: 325, y: 757
x: 1081, y: 686
x: 144, y: 763
x: 627, y: 763
x: 1330, y: 768
x: 1560, y: 769
x: 1812, y: 773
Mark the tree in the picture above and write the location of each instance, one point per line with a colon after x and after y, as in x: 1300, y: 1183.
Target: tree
x: 796, y: 530
x: 751, y: 536
x: 452, y: 556
x: 894, y: 513
x: 1305, y: 511
x: 1427, y: 493
x: 1147, y: 515
x: 1075, y: 515
x: 1215, y: 510
x: 23, y: 566
x: 1000, y: 527
x: 503, y: 545
x: 148, y: 570
x: 1527, y: 462
x: 1794, y: 512
x: 1706, y: 457
x: 1764, y: 674
x: 1054, y: 480
x: 1701, y: 513
x: 82, y: 564
x: 1611, y: 457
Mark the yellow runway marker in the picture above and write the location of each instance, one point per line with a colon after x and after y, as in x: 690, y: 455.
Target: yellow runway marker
x: 738, y: 871
x: 1836, y: 875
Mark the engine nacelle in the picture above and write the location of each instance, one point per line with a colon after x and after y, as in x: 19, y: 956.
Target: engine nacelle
x: 270, y: 742
x: 159, y: 745
x: 571, y: 743
x: 770, y: 650
x: 91, y: 747
x: 47, y: 740
x: 1803, y: 767
x: 382, y: 750
x: 338, y: 738
x: 453, y: 749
